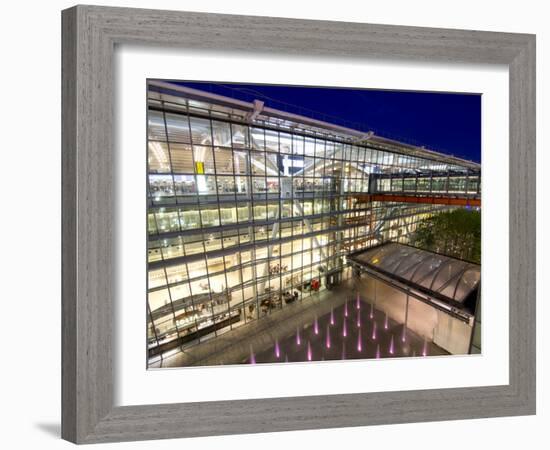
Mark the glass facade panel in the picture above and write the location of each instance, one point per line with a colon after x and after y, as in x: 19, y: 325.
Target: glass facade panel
x: 159, y: 157
x: 240, y: 136
x: 178, y: 128
x: 185, y: 185
x: 156, y: 129
x: 221, y: 132
x: 201, y: 131
x: 181, y: 158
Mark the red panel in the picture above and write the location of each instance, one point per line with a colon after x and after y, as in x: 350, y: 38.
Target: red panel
x: 437, y: 200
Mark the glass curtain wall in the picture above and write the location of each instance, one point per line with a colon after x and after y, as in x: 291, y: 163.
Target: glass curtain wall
x: 244, y: 218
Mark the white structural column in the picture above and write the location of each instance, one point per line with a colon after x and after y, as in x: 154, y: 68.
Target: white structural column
x: 258, y: 107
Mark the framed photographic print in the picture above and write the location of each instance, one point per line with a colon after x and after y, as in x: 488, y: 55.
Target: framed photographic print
x: 268, y: 230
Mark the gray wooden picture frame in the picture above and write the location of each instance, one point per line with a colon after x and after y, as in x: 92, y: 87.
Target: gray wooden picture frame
x: 90, y: 34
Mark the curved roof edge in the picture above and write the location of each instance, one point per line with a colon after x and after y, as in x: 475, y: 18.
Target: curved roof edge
x: 359, y: 136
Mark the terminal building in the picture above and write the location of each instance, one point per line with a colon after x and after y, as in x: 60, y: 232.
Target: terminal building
x: 255, y: 213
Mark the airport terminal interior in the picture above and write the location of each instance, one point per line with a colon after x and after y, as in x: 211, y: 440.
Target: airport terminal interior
x: 275, y: 237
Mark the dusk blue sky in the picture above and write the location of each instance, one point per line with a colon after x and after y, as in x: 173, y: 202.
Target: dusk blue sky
x: 448, y: 123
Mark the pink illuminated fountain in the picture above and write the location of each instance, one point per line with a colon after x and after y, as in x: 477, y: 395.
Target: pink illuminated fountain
x: 345, y: 329
x: 359, y: 342
x: 309, y: 354
x: 386, y: 322
x: 425, y: 347
x: 373, y: 335
x: 298, y: 340
x: 346, y: 309
x: 316, y: 326
x: 327, y: 339
x: 277, y: 349
x: 404, y: 334
x: 252, y: 359
x: 358, y: 320
x: 371, y: 315
x: 332, y: 316
x: 358, y: 302
x: 391, y: 349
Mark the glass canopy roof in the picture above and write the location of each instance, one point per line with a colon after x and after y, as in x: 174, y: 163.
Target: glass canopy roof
x: 451, y: 278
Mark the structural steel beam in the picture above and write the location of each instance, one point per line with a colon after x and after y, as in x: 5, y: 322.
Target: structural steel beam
x: 431, y: 199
